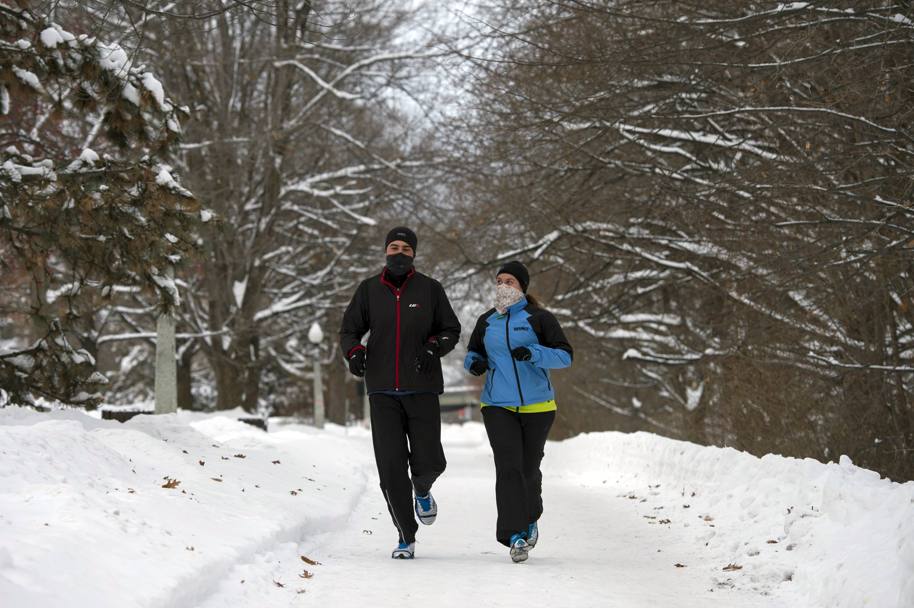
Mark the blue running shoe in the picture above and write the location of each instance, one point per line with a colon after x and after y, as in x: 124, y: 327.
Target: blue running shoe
x: 533, y: 534
x: 519, y: 548
x: 426, y: 509
x: 404, y: 551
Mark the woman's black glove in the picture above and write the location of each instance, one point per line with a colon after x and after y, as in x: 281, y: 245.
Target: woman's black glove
x: 479, y: 366
x: 428, y: 355
x: 522, y: 353
x: 357, y: 363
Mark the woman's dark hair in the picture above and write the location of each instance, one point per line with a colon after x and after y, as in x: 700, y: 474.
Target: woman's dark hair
x: 533, y: 301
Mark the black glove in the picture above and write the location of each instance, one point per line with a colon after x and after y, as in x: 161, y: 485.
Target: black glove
x: 357, y: 363
x: 522, y: 353
x: 425, y: 360
x: 479, y: 366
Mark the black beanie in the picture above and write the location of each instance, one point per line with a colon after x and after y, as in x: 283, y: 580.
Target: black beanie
x: 518, y: 271
x: 402, y: 233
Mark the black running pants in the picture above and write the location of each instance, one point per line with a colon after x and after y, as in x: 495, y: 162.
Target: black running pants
x: 406, y: 433
x: 517, y: 442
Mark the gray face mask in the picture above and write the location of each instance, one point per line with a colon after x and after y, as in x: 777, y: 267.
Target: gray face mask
x: 505, y: 296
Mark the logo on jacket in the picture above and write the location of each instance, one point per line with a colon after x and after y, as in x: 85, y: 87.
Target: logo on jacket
x: 414, y: 306
x: 521, y: 328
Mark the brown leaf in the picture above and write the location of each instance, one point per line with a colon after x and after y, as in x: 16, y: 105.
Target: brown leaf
x: 275, y: 462
x: 216, y: 479
x: 732, y: 567
x: 664, y: 521
x: 678, y: 565
x: 772, y: 542
x: 240, y: 456
x: 278, y: 584
x: 708, y: 518
x: 310, y: 561
x: 305, y: 574
x: 201, y: 462
x: 171, y: 483
x: 293, y: 492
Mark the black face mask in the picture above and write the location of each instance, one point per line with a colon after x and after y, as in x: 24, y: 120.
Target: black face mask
x: 399, y: 264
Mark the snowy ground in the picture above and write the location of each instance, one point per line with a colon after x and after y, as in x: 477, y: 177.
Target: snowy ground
x: 631, y: 521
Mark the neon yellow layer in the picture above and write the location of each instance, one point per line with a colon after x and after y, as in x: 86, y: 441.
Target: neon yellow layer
x: 531, y: 408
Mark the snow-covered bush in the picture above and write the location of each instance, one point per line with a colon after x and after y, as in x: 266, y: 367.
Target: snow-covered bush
x: 88, y: 207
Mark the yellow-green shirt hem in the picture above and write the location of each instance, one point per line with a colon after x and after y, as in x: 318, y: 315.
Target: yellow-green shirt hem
x: 530, y: 408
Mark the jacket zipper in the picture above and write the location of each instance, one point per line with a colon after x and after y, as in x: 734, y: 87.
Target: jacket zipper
x: 397, y: 349
x: 513, y: 362
x: 397, y: 291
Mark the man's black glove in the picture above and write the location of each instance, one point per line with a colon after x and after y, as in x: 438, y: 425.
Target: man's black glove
x: 357, y: 363
x: 428, y: 355
x: 522, y: 353
x: 479, y: 366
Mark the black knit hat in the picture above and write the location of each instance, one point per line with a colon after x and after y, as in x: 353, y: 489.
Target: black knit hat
x: 402, y: 233
x: 518, y: 271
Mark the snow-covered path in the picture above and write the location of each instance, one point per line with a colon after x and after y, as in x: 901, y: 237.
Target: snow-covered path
x: 596, y: 549
x: 201, y: 511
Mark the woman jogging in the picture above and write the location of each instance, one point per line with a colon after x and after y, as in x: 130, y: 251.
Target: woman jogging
x: 516, y: 344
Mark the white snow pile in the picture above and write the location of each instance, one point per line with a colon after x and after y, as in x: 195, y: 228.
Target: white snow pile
x: 152, y: 84
x: 159, y: 511
x: 156, y: 511
x: 165, y: 179
x: 55, y: 35
x: 829, y: 535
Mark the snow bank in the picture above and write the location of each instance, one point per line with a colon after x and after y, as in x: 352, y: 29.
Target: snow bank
x: 160, y: 511
x: 832, y: 535
x: 155, y: 512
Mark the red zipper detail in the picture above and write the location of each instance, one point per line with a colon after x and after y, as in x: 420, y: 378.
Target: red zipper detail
x: 397, y: 360
x: 397, y: 291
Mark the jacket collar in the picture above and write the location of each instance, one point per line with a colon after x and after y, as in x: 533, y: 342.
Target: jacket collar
x: 391, y: 285
x: 517, y: 306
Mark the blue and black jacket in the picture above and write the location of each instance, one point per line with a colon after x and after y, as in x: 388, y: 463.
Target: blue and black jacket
x: 512, y: 383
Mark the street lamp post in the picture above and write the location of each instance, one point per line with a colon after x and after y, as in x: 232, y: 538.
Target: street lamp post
x: 316, y: 336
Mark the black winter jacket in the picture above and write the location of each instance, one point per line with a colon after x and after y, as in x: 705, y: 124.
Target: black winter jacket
x: 401, y: 321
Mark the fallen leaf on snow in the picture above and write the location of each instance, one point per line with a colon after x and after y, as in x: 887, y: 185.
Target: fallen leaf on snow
x: 216, y: 479
x: 310, y: 561
x: 678, y: 565
x: 240, y: 456
x: 305, y: 574
x: 732, y: 567
x: 278, y: 584
x: 171, y: 483
x: 275, y: 462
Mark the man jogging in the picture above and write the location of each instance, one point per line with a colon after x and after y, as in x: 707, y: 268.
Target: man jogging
x: 412, y: 325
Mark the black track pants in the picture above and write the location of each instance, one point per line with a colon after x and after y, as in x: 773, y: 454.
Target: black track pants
x: 406, y: 432
x: 517, y: 442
